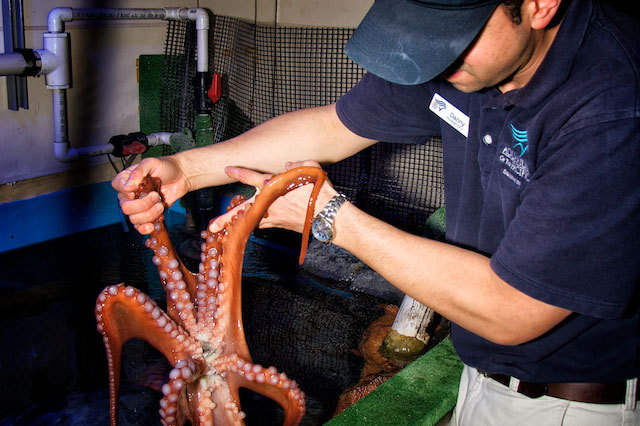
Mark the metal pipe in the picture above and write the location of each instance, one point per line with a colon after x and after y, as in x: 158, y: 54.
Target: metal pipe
x: 13, y: 31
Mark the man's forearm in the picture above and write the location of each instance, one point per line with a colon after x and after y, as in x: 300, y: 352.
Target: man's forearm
x: 310, y: 134
x: 457, y: 283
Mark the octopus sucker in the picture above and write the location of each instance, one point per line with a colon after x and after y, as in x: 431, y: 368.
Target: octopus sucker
x: 201, y: 334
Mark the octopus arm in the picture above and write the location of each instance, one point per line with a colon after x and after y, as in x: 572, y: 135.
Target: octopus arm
x: 124, y: 313
x: 160, y: 242
x: 283, y: 183
x: 270, y: 383
x: 171, y: 270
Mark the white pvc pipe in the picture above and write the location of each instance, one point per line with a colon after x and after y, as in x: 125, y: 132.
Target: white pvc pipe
x: 61, y: 146
x: 60, y: 127
x: 201, y: 18
x: 57, y: 17
x: 55, y: 60
x: 117, y: 14
x: 12, y: 64
x: 413, y: 319
x: 159, y: 138
x: 59, y: 65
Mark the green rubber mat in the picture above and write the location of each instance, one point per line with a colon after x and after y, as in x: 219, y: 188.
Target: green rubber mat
x: 421, y: 394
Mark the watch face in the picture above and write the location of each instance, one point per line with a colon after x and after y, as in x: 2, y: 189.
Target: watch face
x: 322, y: 230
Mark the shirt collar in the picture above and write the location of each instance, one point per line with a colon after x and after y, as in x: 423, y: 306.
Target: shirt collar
x: 557, y: 64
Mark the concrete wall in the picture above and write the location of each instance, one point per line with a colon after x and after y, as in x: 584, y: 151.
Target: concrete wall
x: 103, y: 100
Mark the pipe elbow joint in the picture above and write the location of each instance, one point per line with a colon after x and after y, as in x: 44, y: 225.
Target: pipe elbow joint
x: 201, y: 17
x: 197, y: 14
x: 57, y: 17
x: 63, y: 152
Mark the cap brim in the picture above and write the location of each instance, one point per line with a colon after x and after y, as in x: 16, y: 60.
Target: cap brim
x: 408, y: 43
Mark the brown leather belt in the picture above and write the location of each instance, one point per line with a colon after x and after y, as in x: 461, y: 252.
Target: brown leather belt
x: 594, y: 393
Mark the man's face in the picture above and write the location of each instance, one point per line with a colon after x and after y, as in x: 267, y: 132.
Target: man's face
x: 501, y: 51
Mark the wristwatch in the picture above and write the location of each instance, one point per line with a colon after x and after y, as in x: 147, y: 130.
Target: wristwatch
x: 322, y: 226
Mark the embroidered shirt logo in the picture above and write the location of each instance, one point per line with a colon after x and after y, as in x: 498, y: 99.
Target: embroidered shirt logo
x: 515, y: 167
x: 521, y: 138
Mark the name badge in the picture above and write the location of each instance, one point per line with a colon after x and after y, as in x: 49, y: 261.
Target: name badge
x: 452, y: 115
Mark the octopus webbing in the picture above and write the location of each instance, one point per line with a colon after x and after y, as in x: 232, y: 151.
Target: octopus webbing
x: 201, y: 334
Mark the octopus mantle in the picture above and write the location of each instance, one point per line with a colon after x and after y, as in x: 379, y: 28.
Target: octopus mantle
x: 201, y: 333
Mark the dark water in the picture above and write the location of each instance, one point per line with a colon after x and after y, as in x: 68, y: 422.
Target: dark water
x: 52, y: 360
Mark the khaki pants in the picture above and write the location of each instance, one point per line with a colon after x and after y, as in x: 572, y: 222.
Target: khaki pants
x: 483, y: 401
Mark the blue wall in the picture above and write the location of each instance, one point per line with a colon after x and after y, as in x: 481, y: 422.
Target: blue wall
x: 49, y: 216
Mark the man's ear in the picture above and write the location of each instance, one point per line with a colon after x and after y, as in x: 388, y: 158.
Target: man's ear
x: 540, y: 12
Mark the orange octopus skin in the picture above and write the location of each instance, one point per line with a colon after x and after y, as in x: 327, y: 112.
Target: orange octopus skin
x: 202, y: 334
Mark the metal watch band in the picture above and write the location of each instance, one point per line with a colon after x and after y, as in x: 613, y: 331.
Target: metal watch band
x: 322, y: 225
x: 330, y: 209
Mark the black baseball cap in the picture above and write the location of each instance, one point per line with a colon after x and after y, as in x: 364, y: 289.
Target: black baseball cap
x: 413, y: 41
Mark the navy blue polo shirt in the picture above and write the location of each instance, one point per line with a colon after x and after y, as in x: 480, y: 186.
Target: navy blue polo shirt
x: 545, y: 180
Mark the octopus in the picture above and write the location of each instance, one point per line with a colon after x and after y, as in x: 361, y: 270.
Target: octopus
x: 201, y: 333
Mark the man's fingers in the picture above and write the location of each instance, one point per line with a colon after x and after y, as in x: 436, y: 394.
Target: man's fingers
x: 219, y: 222
x: 147, y: 216
x: 130, y: 179
x: 131, y: 206
x: 247, y: 176
x: 144, y: 229
x: 132, y: 176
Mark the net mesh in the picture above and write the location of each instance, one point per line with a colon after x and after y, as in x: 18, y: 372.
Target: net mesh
x: 178, y: 70
x: 269, y: 70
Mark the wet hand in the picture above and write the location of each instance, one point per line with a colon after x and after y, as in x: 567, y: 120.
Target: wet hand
x: 248, y: 177
x: 143, y: 211
x: 287, y: 212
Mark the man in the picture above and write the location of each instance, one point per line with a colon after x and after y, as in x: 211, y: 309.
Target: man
x: 537, y: 102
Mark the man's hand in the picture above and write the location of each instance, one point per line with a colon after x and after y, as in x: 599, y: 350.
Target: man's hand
x: 287, y: 212
x: 142, y: 212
